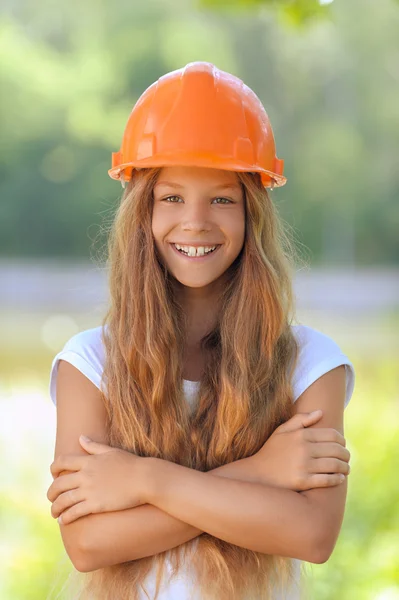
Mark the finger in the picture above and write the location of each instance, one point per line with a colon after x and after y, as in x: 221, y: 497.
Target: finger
x: 72, y: 514
x: 299, y: 421
x: 325, y: 480
x: 62, y: 484
x: 329, y: 465
x: 325, y: 434
x: 66, y: 501
x: 94, y: 447
x: 329, y: 450
x: 311, y: 418
x: 67, y: 462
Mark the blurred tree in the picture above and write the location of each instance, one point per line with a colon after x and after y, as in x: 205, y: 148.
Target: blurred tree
x: 72, y: 74
x: 293, y: 12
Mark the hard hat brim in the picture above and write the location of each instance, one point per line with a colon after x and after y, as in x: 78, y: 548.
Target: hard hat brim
x: 267, y: 177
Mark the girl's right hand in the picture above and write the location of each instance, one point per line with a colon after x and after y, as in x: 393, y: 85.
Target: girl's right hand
x: 301, y: 458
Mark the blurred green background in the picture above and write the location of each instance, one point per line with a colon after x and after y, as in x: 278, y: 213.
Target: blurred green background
x: 327, y: 73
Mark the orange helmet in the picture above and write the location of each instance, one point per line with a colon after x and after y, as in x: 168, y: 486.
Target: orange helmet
x: 199, y: 116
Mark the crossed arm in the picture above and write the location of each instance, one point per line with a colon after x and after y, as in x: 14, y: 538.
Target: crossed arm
x: 277, y: 521
x: 116, y: 537
x: 226, y: 502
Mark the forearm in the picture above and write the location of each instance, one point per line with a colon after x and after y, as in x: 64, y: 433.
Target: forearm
x: 116, y: 537
x: 251, y: 515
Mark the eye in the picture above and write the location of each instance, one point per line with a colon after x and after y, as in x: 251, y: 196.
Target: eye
x: 220, y: 198
x: 168, y: 198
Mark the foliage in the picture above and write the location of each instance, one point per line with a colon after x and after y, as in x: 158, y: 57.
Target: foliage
x: 73, y: 72
x: 292, y: 12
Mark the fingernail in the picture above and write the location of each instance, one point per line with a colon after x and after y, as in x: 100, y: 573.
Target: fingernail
x: 59, y: 519
x: 342, y: 477
x: 85, y: 438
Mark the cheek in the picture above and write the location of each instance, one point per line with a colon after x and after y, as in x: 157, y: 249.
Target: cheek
x: 159, y: 225
x: 234, y: 229
x: 156, y: 232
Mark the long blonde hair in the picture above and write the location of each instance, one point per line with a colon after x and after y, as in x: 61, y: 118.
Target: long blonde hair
x: 244, y: 394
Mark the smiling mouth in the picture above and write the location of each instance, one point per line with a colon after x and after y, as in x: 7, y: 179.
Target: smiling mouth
x: 200, y: 256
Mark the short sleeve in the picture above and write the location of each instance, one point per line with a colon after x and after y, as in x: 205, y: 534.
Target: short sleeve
x: 319, y: 354
x: 84, y: 351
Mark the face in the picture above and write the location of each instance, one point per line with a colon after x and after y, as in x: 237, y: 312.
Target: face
x: 195, y: 206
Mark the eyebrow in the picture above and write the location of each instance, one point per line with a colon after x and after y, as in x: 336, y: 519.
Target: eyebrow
x: 223, y: 186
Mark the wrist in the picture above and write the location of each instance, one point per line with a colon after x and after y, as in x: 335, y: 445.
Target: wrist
x: 151, y: 479
x: 244, y: 469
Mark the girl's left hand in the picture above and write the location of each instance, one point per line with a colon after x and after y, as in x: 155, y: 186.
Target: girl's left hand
x: 110, y: 479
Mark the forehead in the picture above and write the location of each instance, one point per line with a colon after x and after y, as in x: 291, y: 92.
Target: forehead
x: 201, y: 177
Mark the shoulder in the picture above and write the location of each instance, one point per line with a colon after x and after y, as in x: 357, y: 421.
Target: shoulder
x: 88, y: 343
x: 311, y: 339
x: 85, y: 351
x: 318, y: 354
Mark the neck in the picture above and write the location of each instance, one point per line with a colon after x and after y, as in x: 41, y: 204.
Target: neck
x: 201, y: 314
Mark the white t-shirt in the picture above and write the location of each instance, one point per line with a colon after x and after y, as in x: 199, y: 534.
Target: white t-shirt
x: 318, y: 354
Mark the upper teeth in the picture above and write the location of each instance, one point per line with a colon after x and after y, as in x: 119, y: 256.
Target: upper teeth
x: 192, y: 251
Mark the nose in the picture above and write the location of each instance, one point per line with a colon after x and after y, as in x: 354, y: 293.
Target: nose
x: 196, y: 217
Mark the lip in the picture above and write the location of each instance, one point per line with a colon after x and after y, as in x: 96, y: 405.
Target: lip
x: 197, y: 244
x: 196, y: 258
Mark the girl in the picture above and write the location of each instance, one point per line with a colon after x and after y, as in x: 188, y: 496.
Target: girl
x: 208, y: 474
